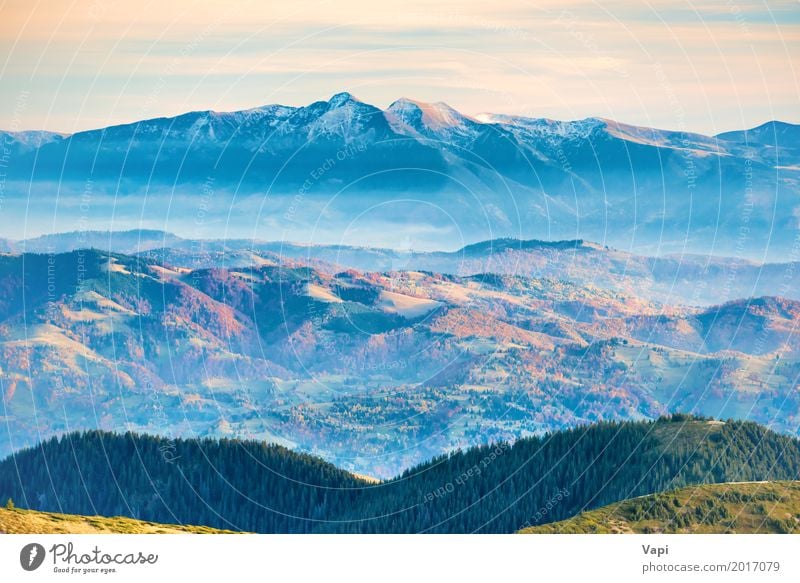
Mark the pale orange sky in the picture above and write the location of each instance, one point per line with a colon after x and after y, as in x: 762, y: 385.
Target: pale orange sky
x: 705, y: 66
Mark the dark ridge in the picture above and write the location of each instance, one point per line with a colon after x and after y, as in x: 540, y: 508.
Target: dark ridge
x: 505, y: 244
x: 247, y: 485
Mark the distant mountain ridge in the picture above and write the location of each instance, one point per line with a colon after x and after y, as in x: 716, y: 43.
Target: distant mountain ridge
x: 687, y: 279
x: 317, y: 168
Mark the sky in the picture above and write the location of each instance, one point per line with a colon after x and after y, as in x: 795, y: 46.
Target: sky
x: 707, y: 66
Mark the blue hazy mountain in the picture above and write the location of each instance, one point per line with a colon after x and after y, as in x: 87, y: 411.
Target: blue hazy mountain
x: 670, y: 279
x: 344, y: 171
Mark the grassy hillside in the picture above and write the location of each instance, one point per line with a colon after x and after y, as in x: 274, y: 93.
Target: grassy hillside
x: 19, y: 521
x: 754, y: 507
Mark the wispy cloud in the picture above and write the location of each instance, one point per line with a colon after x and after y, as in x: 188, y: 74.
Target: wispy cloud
x: 725, y: 63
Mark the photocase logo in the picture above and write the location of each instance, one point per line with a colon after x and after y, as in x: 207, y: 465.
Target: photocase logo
x: 31, y: 556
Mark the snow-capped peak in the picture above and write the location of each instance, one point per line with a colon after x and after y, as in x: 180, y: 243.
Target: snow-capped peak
x: 434, y: 116
x: 343, y: 98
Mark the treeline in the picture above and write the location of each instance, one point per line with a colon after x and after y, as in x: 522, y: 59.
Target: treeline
x: 247, y: 485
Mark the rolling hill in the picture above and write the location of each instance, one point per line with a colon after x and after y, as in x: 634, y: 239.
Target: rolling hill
x: 742, y: 508
x: 375, y: 372
x: 501, y: 488
x: 684, y: 278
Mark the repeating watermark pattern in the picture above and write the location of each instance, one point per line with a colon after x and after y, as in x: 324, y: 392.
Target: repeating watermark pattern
x: 465, y: 476
x: 388, y: 359
x: 542, y: 514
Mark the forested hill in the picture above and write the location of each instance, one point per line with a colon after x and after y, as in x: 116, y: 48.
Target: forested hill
x: 247, y: 485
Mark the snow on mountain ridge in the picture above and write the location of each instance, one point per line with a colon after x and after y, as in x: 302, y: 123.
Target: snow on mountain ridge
x: 580, y: 128
x: 344, y: 113
x: 436, y: 121
x: 343, y: 98
x: 31, y: 138
x: 346, y: 117
x: 437, y: 115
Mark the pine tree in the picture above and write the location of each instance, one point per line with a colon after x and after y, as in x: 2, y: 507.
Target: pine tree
x: 248, y: 485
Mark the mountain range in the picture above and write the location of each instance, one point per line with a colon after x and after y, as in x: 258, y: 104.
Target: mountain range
x: 418, y: 174
x: 377, y: 370
x: 685, y: 278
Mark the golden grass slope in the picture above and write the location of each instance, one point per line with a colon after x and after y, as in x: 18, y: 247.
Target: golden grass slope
x: 747, y: 507
x: 19, y: 521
